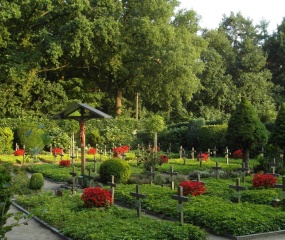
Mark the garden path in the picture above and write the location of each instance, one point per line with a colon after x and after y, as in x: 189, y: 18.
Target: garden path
x: 37, y: 231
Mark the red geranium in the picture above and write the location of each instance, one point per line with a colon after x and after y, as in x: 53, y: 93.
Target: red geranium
x: 96, y: 197
x: 57, y: 151
x: 64, y: 163
x: 163, y: 159
x: 193, y: 188
x: 204, y: 156
x: 19, y: 152
x: 125, y: 148
x: 237, y: 154
x: 92, y: 151
x: 263, y: 180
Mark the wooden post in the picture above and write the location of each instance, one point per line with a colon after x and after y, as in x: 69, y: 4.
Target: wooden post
x: 172, y: 173
x: 226, y: 152
x: 89, y: 177
x: 112, y: 184
x: 152, y: 173
x: 283, y: 191
x: 180, y: 198
x: 180, y: 152
x: 82, y: 145
x: 73, y: 174
x: 238, y: 188
x: 216, y: 169
x: 200, y: 158
x: 138, y: 195
x: 193, y: 153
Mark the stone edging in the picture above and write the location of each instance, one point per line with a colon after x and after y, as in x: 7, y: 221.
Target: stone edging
x: 54, y: 230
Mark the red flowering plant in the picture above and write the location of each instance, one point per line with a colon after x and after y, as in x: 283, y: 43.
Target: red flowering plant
x: 64, y: 163
x: 263, y: 180
x: 96, y: 197
x: 204, y: 156
x: 57, y: 151
x: 237, y: 153
x: 193, y: 188
x: 163, y: 159
x: 92, y: 151
x: 126, y: 148
x: 19, y: 152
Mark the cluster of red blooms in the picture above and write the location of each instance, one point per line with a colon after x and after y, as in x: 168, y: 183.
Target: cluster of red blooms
x: 163, y: 159
x: 193, y: 188
x: 121, y: 150
x: 150, y: 150
x: 92, y: 151
x: 57, y: 151
x: 19, y: 152
x: 96, y: 197
x: 64, y: 163
x: 263, y: 180
x: 237, y: 154
x: 204, y: 156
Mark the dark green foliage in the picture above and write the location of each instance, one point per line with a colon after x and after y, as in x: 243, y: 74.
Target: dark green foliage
x: 278, y: 133
x: 29, y: 135
x: 254, y: 196
x: 175, y: 136
x: 6, y: 140
x: 117, y: 167
x: 36, y: 181
x: 194, y: 127
x: 245, y: 130
x: 211, y: 136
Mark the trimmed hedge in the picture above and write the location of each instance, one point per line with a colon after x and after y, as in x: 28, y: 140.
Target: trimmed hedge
x: 36, y: 181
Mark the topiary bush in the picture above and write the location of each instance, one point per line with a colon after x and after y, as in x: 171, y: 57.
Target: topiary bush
x: 117, y: 167
x: 36, y: 181
x: 6, y: 140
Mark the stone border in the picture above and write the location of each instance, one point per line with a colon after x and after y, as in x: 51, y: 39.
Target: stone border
x: 46, y: 225
x: 259, y: 235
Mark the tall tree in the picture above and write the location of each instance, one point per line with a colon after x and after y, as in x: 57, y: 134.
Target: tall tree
x: 245, y: 130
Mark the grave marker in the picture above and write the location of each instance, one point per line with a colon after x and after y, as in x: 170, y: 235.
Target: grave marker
x: 273, y: 165
x: 243, y: 169
x: 200, y: 158
x: 216, y: 169
x: 209, y: 153
x: 73, y: 174
x: 184, y: 155
x: 180, y: 152
x: 138, y: 196
x: 172, y: 173
x: 238, y: 188
x: 214, y: 150
x: 152, y: 173
x: 95, y: 165
x: 226, y: 152
x: 283, y: 191
x: 112, y: 184
x: 180, y: 198
x: 193, y: 153
x: 89, y: 177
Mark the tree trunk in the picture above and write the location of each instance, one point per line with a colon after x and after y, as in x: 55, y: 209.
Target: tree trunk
x: 245, y: 157
x: 119, y: 97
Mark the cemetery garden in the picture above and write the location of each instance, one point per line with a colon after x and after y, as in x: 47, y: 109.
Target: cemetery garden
x: 150, y: 190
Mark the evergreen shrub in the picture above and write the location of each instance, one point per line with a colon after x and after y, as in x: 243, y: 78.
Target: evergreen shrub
x: 117, y: 167
x: 194, y: 128
x: 6, y: 140
x: 36, y: 181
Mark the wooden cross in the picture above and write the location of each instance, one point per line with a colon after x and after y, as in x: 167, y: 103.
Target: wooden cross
x: 215, y: 151
x: 238, y: 188
x: 193, y: 153
x: 171, y: 173
x: 184, y: 155
x: 198, y: 179
x: 73, y: 174
x: 262, y: 152
x: 209, y: 153
x: 112, y: 184
x: 138, y: 195
x: 169, y: 150
x: 180, y: 152
x: 152, y: 173
x: 95, y: 165
x: 89, y: 177
x: 243, y: 169
x: 200, y: 157
x: 216, y: 169
x: 227, y: 154
x: 283, y: 191
x: 180, y: 198
x: 273, y: 165
x: 101, y: 153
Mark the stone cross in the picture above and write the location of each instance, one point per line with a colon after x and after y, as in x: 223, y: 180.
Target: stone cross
x: 238, y: 188
x: 172, y: 173
x: 226, y: 152
x: 243, y: 169
x: 214, y: 150
x: 138, y: 195
x: 216, y: 169
x: 283, y: 191
x: 193, y: 153
x: 152, y: 173
x: 180, y: 198
x: 73, y: 174
x: 273, y: 165
x: 112, y: 184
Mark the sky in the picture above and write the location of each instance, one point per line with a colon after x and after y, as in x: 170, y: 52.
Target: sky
x: 211, y: 11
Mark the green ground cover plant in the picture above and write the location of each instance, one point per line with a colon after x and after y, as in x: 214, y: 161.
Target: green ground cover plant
x: 68, y: 214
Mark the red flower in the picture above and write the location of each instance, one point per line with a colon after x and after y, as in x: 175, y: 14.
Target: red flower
x: 237, y: 154
x: 92, y: 151
x: 193, y: 188
x: 64, y: 163
x: 96, y: 197
x: 57, y: 151
x: 163, y: 159
x: 125, y: 148
x: 204, y: 156
x: 19, y: 152
x: 263, y: 180
x: 118, y: 150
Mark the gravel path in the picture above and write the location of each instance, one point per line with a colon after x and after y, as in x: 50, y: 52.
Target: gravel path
x: 37, y: 231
